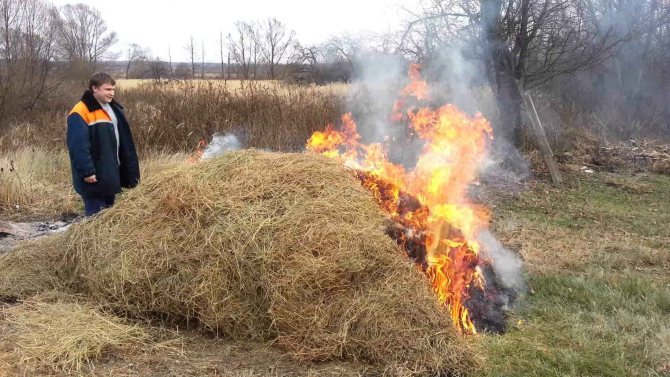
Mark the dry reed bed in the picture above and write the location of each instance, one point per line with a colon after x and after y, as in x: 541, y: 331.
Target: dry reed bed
x: 175, y: 117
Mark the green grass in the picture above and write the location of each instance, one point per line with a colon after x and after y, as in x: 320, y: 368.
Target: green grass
x: 598, y: 260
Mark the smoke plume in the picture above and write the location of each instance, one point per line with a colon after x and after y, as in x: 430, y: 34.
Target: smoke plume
x: 507, y: 265
x: 221, y: 144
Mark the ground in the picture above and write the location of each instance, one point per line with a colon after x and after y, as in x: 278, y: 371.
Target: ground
x: 597, y: 254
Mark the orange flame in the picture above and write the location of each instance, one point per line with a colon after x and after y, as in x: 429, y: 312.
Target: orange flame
x: 417, y: 87
x: 454, y: 146
x: 197, y: 154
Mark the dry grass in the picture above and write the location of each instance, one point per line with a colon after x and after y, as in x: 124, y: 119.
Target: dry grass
x: 175, y: 117
x: 127, y: 84
x: 595, y: 251
x: 35, y: 183
x: 277, y: 118
x: 279, y: 247
x: 60, y: 335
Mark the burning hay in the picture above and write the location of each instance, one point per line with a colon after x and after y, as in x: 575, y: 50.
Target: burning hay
x: 420, y: 173
x: 54, y: 334
x: 287, y: 248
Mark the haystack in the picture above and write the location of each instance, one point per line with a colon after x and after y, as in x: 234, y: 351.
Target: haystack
x: 286, y: 248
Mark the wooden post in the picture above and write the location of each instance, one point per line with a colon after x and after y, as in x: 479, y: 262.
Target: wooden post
x: 541, y: 137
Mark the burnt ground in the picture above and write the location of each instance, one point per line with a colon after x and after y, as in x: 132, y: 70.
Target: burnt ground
x: 13, y: 232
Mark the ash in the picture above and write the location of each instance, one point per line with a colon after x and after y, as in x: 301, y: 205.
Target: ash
x: 13, y: 232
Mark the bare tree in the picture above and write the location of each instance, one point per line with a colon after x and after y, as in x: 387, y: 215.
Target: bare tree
x: 244, y: 49
x: 170, y: 61
x: 275, y: 42
x: 134, y: 54
x: 343, y: 48
x: 83, y: 35
x: 318, y: 64
x: 305, y: 63
x: 628, y: 92
x: 157, y: 69
x: 190, y: 50
x: 27, y: 52
x: 202, y: 61
x: 526, y: 41
x: 228, y: 67
x: 223, y: 63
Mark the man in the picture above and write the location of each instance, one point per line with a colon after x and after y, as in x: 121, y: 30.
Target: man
x: 102, y: 152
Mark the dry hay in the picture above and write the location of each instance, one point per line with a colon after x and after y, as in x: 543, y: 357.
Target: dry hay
x: 661, y: 166
x: 33, y: 267
x: 53, y: 333
x: 286, y: 248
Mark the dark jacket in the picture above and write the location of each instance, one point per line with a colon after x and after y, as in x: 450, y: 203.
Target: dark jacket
x: 92, y: 145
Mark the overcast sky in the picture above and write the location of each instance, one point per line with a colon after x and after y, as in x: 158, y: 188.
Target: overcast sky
x: 157, y: 24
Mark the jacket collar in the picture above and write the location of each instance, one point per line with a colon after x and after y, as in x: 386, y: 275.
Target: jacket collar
x: 92, y: 104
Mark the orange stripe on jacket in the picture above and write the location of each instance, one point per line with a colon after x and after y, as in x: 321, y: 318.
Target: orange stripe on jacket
x: 90, y: 117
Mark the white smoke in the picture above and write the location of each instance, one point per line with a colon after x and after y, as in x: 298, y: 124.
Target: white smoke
x: 221, y: 144
x: 507, y: 265
x: 379, y: 79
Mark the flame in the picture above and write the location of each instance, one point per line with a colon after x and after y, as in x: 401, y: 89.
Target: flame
x: 417, y: 87
x: 454, y: 146
x: 197, y: 154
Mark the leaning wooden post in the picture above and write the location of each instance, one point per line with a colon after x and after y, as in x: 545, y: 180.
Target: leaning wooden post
x: 540, y: 136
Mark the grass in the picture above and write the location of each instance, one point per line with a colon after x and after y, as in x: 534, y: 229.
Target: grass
x: 598, y: 255
x: 277, y: 118
x: 126, y: 84
x: 36, y: 183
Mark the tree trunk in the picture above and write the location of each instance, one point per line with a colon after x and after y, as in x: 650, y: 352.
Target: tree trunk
x: 507, y: 95
x: 502, y: 79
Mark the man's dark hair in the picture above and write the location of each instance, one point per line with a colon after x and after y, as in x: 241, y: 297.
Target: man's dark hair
x: 100, y: 78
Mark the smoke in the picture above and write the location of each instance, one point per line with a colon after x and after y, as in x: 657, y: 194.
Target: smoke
x: 629, y: 92
x: 456, y: 78
x: 507, y: 265
x: 221, y: 144
x: 378, y: 80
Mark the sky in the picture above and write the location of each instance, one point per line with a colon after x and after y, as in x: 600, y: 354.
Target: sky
x: 159, y: 24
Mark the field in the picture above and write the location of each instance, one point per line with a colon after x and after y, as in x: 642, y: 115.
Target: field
x: 126, y: 84
x: 596, y: 251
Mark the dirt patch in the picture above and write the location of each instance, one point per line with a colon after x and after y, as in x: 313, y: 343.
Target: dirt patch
x: 13, y: 232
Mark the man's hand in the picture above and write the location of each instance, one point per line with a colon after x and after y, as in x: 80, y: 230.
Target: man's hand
x: 91, y: 179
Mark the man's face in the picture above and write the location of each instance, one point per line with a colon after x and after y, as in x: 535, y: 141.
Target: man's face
x: 104, y: 93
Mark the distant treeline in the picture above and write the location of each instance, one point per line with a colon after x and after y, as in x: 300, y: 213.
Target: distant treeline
x: 605, y: 64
